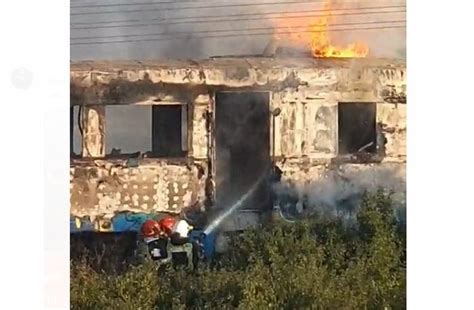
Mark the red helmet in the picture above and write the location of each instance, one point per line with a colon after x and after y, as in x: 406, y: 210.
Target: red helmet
x: 167, y: 224
x: 150, y: 228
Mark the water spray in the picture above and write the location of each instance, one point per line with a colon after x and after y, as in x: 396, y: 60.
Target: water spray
x: 216, y: 222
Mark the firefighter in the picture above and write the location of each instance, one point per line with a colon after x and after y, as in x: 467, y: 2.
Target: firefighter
x: 176, y: 230
x: 178, y: 233
x: 153, y: 243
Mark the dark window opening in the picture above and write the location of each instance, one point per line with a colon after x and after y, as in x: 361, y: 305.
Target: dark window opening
x: 357, y: 128
x: 154, y: 131
x: 75, y: 137
x: 169, y: 131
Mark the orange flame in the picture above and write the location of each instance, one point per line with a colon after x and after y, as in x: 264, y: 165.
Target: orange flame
x: 319, y: 39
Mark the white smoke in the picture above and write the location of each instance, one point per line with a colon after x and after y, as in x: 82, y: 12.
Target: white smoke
x: 339, y: 194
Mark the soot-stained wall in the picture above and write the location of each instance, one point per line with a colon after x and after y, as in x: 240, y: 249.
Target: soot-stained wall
x: 307, y: 91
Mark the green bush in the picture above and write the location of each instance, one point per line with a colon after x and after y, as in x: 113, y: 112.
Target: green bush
x: 313, y: 264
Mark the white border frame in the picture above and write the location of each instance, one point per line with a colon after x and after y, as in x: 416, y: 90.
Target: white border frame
x: 35, y: 84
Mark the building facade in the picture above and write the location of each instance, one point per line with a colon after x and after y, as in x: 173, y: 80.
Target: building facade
x: 204, y: 131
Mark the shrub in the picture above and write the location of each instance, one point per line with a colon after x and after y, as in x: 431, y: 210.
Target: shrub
x: 315, y: 263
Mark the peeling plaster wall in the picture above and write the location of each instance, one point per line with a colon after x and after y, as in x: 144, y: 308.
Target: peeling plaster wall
x: 200, y: 134
x: 102, y: 190
x: 133, y: 81
x: 92, y: 143
x: 307, y: 91
x: 308, y: 127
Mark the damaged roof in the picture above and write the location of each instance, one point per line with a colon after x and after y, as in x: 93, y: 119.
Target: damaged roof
x: 234, y: 66
x: 97, y: 81
x: 222, y: 62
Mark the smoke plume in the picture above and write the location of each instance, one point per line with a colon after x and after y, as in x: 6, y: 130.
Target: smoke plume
x: 163, y: 18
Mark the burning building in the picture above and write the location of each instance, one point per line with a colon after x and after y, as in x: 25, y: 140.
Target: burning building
x: 199, y: 133
x: 212, y: 134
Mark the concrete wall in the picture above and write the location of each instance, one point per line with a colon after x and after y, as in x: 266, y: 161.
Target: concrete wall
x: 306, y: 147
x: 103, y: 190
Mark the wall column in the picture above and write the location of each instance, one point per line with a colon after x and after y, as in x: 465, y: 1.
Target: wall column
x: 94, y: 131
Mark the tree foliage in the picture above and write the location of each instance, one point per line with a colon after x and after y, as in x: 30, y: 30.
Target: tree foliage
x: 313, y: 264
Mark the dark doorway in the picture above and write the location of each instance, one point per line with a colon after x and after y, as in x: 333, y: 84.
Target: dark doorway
x: 242, y: 148
x: 357, y: 128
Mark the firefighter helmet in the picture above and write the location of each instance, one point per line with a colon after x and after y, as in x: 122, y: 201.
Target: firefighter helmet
x: 167, y: 224
x: 150, y: 228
